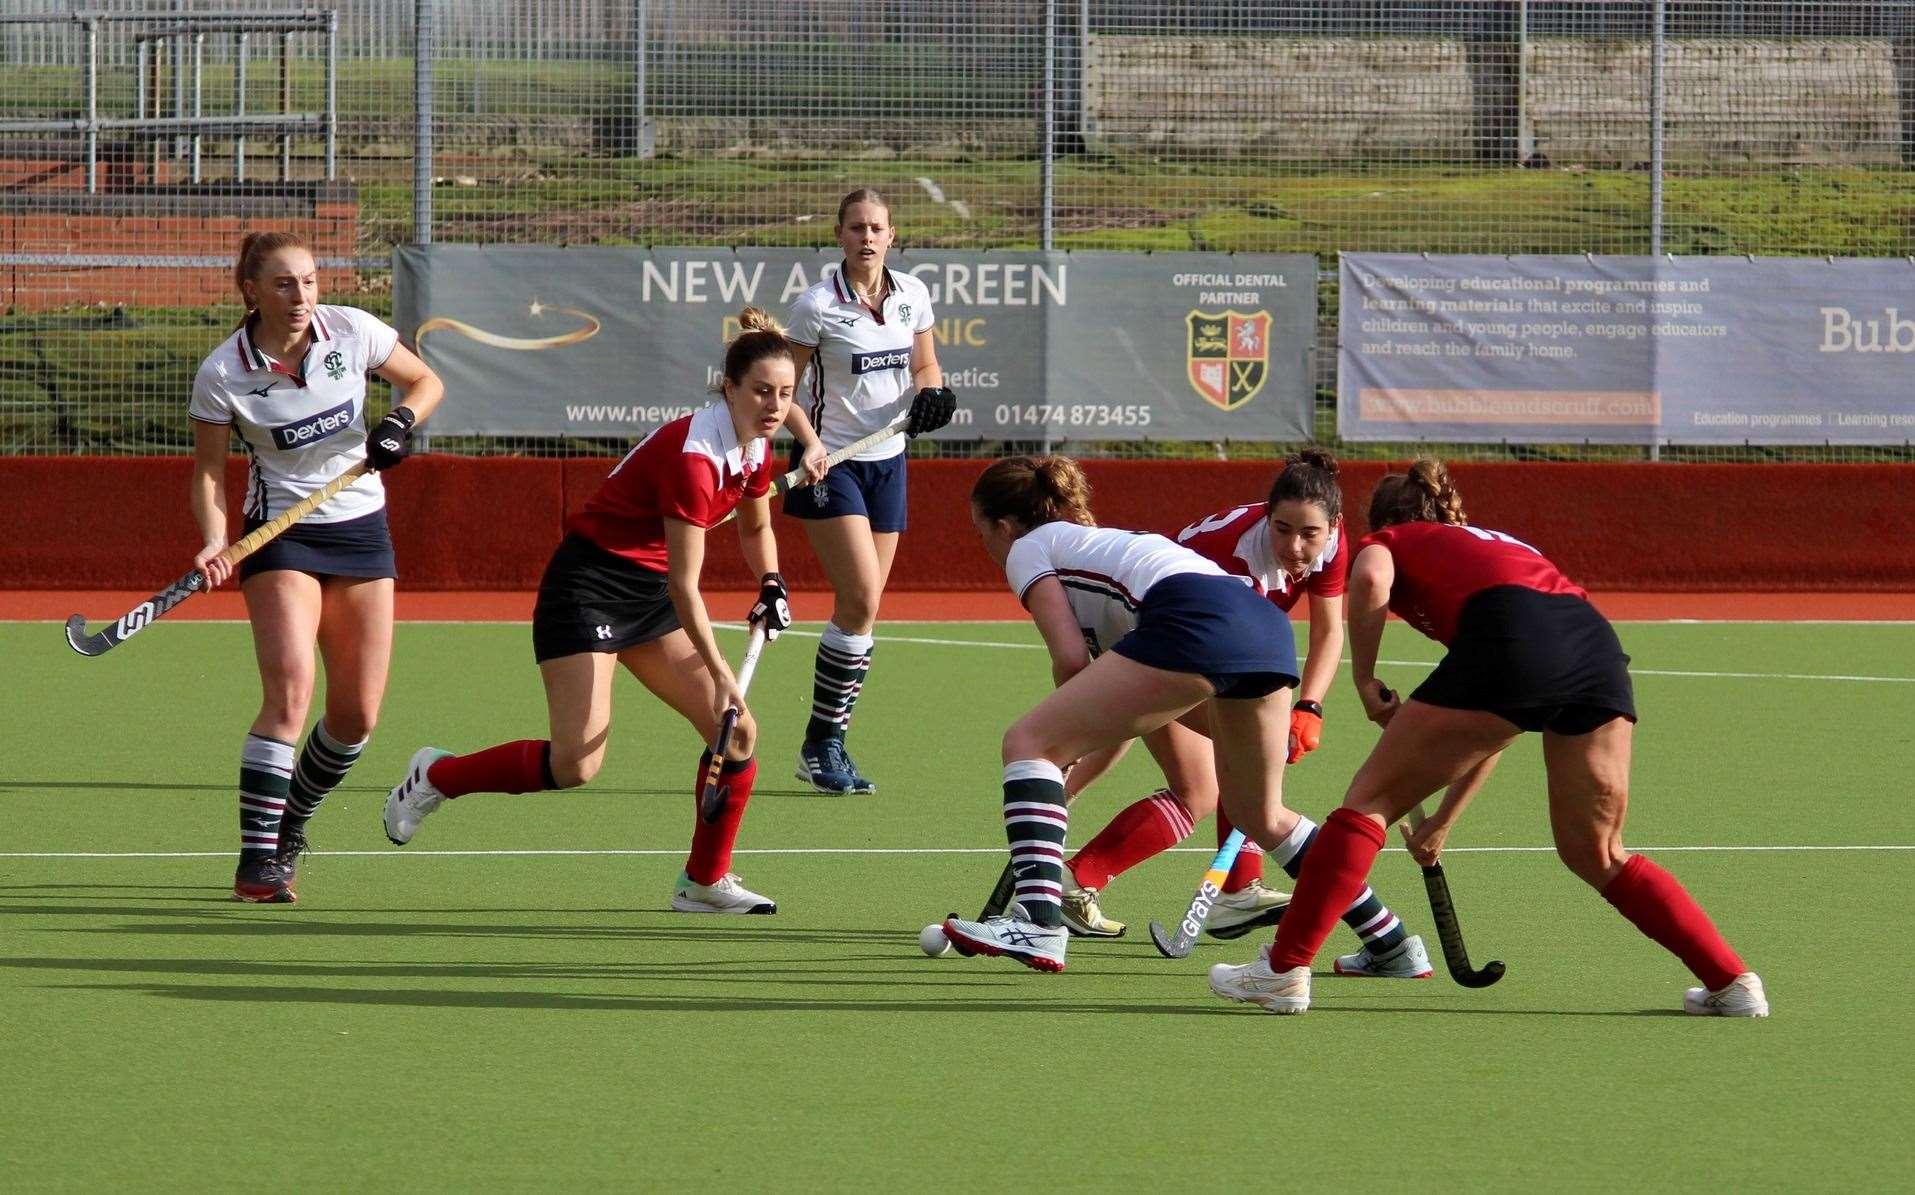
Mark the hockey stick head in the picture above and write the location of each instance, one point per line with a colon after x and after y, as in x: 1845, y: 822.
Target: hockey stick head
x: 711, y: 798
x: 1489, y: 974
x: 80, y: 641
x: 1167, y: 943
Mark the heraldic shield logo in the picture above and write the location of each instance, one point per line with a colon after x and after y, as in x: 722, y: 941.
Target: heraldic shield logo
x: 1229, y: 354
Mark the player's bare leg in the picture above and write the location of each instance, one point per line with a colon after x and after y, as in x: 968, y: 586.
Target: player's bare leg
x: 1111, y: 700
x: 355, y: 646
x: 1588, y: 801
x: 284, y: 608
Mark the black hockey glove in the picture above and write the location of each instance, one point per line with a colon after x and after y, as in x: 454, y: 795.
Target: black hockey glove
x: 386, y: 447
x: 773, y: 608
x: 930, y: 410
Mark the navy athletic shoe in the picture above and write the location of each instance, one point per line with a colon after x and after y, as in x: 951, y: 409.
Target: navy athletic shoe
x: 823, y: 765
x: 292, y: 844
x: 858, y: 783
x: 264, y: 881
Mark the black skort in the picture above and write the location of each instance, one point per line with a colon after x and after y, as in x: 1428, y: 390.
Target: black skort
x: 594, y: 600
x: 1544, y: 661
x: 360, y: 547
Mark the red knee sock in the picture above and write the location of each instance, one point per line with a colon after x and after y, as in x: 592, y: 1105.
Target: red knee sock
x: 1657, y: 904
x: 1248, y: 868
x: 1140, y: 830
x: 711, y: 841
x: 521, y: 767
x: 1333, y: 874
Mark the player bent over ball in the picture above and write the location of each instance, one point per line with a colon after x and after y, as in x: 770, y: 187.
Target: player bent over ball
x: 622, y: 589
x: 1141, y: 631
x: 1290, y: 545
x: 1526, y: 652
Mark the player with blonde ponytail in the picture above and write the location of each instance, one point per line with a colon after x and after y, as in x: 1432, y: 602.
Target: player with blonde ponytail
x: 622, y: 589
x: 1141, y: 631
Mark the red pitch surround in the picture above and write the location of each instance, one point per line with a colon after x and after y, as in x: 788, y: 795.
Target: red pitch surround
x: 463, y: 523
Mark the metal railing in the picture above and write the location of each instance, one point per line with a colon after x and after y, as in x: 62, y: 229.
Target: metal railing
x: 166, y: 44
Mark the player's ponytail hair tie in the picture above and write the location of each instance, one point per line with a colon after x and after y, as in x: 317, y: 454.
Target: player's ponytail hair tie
x: 760, y: 336
x: 1034, y: 491
x: 1425, y: 494
x: 1310, y: 476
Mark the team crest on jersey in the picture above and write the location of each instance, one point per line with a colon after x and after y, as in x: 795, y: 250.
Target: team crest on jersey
x: 1229, y: 355
x: 904, y: 312
x: 335, y: 365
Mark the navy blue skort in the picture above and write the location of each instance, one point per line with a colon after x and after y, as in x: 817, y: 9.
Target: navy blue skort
x: 360, y: 547
x: 874, y: 489
x: 1218, y: 627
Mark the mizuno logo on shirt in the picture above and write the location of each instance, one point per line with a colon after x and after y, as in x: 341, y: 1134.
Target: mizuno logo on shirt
x: 873, y: 362
x: 313, y: 428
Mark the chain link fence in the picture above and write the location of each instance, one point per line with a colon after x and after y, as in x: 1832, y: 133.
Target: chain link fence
x: 1479, y: 126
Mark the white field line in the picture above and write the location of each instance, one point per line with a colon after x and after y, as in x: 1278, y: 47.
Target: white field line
x: 875, y: 850
x: 932, y: 642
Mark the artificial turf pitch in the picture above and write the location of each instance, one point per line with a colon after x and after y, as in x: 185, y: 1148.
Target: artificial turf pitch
x: 436, y: 1020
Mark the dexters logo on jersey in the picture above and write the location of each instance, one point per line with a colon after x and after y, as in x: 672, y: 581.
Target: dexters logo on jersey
x: 313, y: 428
x: 888, y: 359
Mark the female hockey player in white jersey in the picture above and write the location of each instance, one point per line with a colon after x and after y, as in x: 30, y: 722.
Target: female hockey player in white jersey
x: 864, y: 332
x: 291, y: 384
x: 1141, y: 630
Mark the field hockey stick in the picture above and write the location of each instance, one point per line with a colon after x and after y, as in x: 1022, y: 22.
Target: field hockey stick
x: 136, y: 619
x: 711, y: 801
x: 796, y: 479
x: 1180, y: 944
x: 1443, y: 909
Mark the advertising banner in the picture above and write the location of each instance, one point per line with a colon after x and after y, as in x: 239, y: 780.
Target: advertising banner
x: 613, y: 341
x: 1631, y: 350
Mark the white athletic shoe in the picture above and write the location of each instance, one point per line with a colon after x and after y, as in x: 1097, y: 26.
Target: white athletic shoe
x: 725, y: 896
x: 1742, y: 998
x: 1407, y: 961
x: 1255, y: 983
x: 413, y: 798
x: 1039, y: 947
x: 1237, y: 913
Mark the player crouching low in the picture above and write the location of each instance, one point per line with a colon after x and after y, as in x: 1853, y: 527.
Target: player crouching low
x: 1140, y: 630
x: 622, y: 588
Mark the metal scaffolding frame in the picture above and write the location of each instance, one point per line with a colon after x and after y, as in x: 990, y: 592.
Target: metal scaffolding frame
x: 177, y: 41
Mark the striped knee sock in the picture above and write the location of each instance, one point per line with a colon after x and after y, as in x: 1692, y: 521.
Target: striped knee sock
x: 265, y: 776
x: 1035, y: 820
x: 1381, y: 930
x: 1140, y: 830
x: 323, y: 763
x: 843, y: 661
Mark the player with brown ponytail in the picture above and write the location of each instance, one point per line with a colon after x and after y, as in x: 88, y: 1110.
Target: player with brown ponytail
x: 1290, y: 545
x: 1141, y: 631
x: 1525, y: 652
x: 622, y: 589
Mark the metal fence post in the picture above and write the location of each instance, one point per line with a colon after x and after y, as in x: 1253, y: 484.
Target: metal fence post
x: 285, y: 104
x: 642, y: 144
x: 422, y: 51
x: 332, y: 93
x: 1047, y: 134
x: 199, y: 69
x: 92, y: 106
x: 1658, y: 48
x: 239, y: 104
